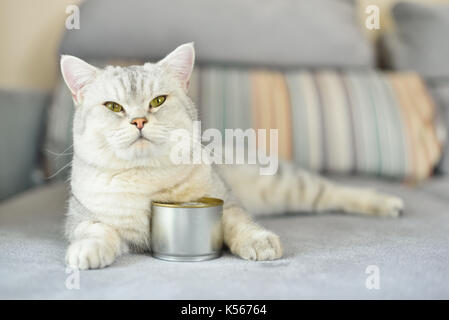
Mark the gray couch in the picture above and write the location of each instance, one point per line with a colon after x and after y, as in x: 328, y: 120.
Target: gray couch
x: 327, y: 256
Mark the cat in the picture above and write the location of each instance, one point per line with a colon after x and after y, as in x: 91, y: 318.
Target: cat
x: 122, y: 120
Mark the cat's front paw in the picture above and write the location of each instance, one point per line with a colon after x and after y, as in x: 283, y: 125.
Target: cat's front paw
x: 385, y: 205
x: 89, y: 254
x: 257, y: 244
x: 391, y: 206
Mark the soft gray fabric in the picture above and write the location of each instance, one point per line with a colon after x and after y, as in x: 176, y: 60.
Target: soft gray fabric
x: 326, y: 255
x: 420, y: 41
x: 21, y: 128
x: 256, y: 32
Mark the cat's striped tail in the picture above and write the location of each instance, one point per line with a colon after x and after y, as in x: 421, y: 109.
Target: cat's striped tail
x: 292, y: 189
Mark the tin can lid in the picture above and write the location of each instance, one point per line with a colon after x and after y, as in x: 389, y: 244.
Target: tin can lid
x: 200, y: 203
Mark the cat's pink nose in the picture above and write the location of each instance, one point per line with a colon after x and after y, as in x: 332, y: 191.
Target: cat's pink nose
x: 139, y: 122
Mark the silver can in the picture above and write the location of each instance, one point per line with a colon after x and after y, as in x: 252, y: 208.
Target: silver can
x: 187, y: 231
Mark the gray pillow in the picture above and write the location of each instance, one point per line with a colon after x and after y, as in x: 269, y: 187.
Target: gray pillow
x: 21, y: 130
x: 421, y: 39
x: 283, y: 33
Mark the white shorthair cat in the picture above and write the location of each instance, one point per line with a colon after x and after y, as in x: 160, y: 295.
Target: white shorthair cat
x: 123, y: 118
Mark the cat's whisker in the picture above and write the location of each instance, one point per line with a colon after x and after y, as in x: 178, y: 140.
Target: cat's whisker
x: 205, y: 147
x: 58, y: 154
x: 195, y: 141
x: 63, y: 153
x: 59, y: 170
x: 165, y: 132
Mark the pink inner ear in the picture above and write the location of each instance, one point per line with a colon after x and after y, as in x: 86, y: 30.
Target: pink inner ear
x: 181, y: 61
x: 76, y: 73
x: 184, y: 65
x: 75, y: 84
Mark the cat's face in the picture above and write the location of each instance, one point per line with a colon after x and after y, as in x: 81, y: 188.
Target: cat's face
x: 126, y: 114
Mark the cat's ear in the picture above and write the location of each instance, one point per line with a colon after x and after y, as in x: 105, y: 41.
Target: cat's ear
x: 76, y: 73
x: 181, y: 61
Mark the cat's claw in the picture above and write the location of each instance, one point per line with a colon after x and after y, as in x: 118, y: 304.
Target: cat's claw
x: 89, y: 254
x: 258, y: 245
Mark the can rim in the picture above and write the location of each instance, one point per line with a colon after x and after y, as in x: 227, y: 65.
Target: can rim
x: 204, y: 203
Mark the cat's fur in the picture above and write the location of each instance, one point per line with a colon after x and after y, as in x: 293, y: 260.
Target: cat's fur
x: 114, y: 176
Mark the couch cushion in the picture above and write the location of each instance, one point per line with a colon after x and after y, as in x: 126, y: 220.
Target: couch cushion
x: 420, y: 40
x: 348, y: 121
x: 254, y: 32
x: 326, y: 256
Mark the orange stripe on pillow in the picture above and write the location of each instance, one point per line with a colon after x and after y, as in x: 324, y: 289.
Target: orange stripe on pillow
x: 282, y: 114
x: 422, y: 166
x: 423, y: 102
x: 404, y: 110
x: 270, y: 104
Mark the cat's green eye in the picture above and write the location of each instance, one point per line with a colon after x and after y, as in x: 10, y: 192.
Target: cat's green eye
x: 113, y: 106
x: 156, y: 102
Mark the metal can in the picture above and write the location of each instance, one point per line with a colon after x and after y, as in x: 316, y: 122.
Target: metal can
x: 187, y: 231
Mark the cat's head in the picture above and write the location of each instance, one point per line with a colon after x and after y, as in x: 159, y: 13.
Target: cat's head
x: 124, y: 115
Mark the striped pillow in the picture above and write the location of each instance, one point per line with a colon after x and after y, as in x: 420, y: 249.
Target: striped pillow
x: 333, y: 121
x: 347, y: 122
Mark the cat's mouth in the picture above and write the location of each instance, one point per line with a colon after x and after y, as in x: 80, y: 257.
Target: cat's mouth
x: 142, y: 138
